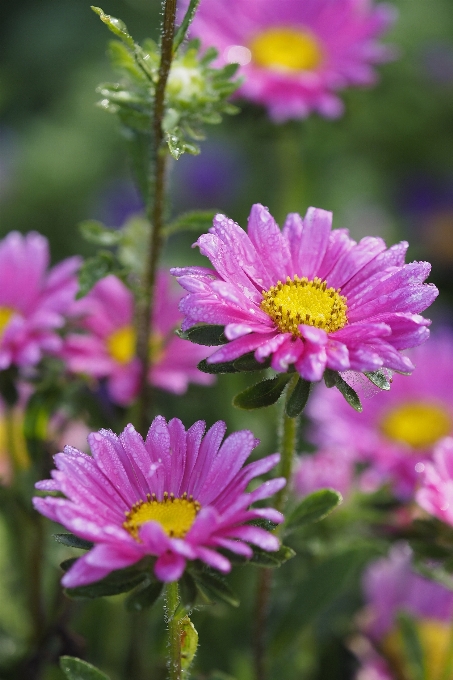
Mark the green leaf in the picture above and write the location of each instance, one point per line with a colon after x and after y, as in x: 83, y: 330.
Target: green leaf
x: 76, y: 669
x: 263, y: 558
x: 73, y: 541
x: 262, y: 394
x: 195, y: 220
x: 94, y: 269
x: 248, y: 363
x: 379, y: 379
x: 412, y: 647
x: 223, y: 367
x: 120, y: 581
x: 40, y: 407
x: 177, y: 145
x: 117, y: 26
x: 298, y: 398
x: 144, y: 597
x: 184, y: 27
x: 334, y: 379
x: 313, y: 508
x: 204, y: 335
x: 97, y: 233
x: 214, y: 586
x: 330, y: 378
x: 188, y: 590
x: 8, y: 385
x: 189, y: 642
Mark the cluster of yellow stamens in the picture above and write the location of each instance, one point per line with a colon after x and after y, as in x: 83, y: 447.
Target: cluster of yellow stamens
x: 417, y: 423
x: 121, y: 345
x: 286, y: 49
x: 175, y: 515
x: 300, y: 301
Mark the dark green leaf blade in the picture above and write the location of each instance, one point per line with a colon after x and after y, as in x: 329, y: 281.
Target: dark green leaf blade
x: 94, y: 269
x: 73, y: 541
x: 298, y: 398
x: 215, y: 587
x: 313, y: 508
x: 378, y: 378
x: 248, y: 363
x: 120, y: 581
x: 208, y: 335
x: 262, y: 394
x: 184, y: 27
x: 144, y: 597
x: 348, y: 393
x: 76, y: 669
x: 273, y: 560
x: 224, y: 367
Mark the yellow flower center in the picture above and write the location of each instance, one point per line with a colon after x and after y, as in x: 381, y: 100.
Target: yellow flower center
x: 300, y: 301
x: 286, y: 49
x: 175, y: 515
x: 435, y: 641
x: 419, y: 424
x: 121, y: 345
x: 5, y: 316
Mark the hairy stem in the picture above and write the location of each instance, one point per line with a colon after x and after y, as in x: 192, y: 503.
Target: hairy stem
x: 155, y: 212
x: 174, y: 637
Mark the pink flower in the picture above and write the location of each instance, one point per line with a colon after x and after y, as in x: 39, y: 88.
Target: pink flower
x: 333, y: 469
x: 33, y: 301
x: 296, y: 55
x: 436, y: 492
x: 178, y: 496
x: 307, y: 296
x: 397, y: 430
x: 107, y: 347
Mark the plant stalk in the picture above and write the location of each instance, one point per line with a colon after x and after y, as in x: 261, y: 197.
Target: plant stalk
x: 174, y: 638
x: 155, y: 211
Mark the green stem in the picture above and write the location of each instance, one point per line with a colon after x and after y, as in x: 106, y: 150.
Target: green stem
x: 292, y: 186
x: 155, y: 212
x: 288, y: 437
x: 174, y: 638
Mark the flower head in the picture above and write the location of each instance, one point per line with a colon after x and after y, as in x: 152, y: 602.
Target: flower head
x: 33, y: 301
x: 397, y: 431
x: 106, y: 348
x: 296, y: 55
x: 307, y: 296
x: 178, y: 495
x: 436, y: 492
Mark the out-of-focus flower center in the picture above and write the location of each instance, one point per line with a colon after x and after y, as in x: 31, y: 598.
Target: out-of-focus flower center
x: 5, y: 316
x: 286, y: 49
x: 419, y: 424
x: 121, y: 345
x: 300, y: 301
x: 13, y: 447
x: 435, y: 641
x: 175, y: 515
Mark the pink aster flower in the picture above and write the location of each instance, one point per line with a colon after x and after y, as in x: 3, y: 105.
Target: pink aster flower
x: 397, y: 430
x: 33, y: 300
x: 296, y: 55
x: 178, y: 495
x: 106, y: 348
x: 307, y: 296
x: 436, y: 492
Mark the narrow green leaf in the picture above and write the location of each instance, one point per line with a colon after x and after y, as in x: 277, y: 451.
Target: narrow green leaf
x: 184, y: 27
x: 298, y: 398
x: 73, y: 541
x: 262, y: 558
x: 262, y: 394
x: 188, y: 590
x: 94, y: 269
x: 189, y: 642
x: 215, y: 587
x: 204, y: 335
x: 348, y: 393
x: 76, y: 669
x: 313, y: 508
x: 330, y: 378
x: 144, y: 597
x: 195, y: 220
x: 248, y: 363
x: 97, y: 233
x: 379, y: 379
x: 224, y: 367
x: 120, y: 581
x: 115, y: 25
x: 412, y: 647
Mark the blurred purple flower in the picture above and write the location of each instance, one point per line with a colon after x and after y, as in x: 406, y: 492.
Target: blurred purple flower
x: 436, y: 492
x: 333, y: 469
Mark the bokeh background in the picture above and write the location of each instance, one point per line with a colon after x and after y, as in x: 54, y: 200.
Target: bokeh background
x: 385, y: 168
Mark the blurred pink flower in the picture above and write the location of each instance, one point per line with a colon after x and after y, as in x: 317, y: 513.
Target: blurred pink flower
x: 436, y: 492
x: 179, y: 496
x: 333, y: 469
x: 296, y: 55
x: 278, y: 295
x: 107, y: 347
x: 33, y: 301
x: 397, y: 430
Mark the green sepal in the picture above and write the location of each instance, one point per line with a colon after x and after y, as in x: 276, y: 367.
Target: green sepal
x: 73, y: 541
x: 97, y: 233
x: 214, y: 586
x: 262, y: 394
x: 298, y: 398
x: 76, y: 669
x: 195, y: 220
x: 208, y: 335
x: 378, y: 378
x: 119, y: 581
x: 96, y: 268
x: 214, y: 369
x: 413, y: 650
x: 334, y: 379
x: 115, y: 25
x: 144, y: 596
x: 247, y: 363
x: 189, y: 642
x: 313, y: 508
x: 271, y: 560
